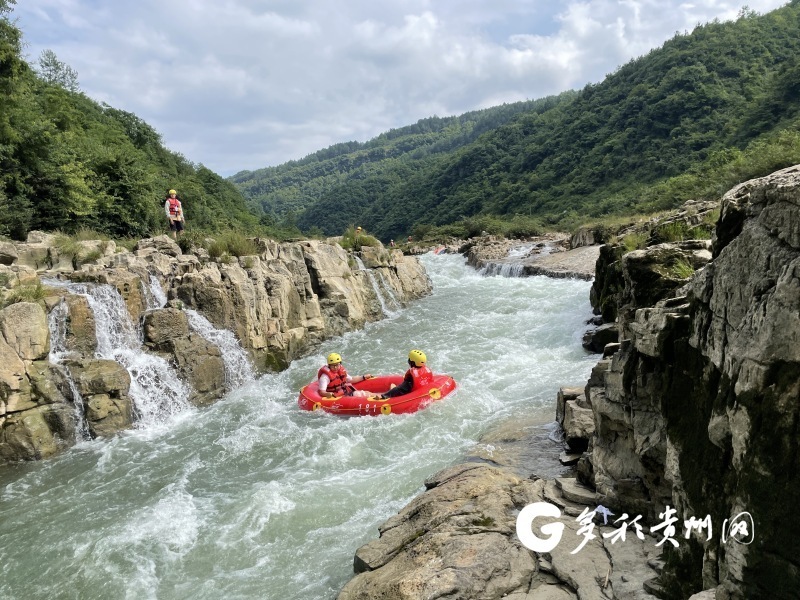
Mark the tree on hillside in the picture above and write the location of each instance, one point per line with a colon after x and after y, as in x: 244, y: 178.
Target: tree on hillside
x: 55, y: 72
x: 15, y: 209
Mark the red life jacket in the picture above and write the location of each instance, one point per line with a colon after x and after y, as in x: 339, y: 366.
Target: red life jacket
x: 174, y: 207
x: 338, y: 379
x: 422, y: 376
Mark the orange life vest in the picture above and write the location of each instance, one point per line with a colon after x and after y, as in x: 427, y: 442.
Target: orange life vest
x: 338, y: 379
x: 422, y: 376
x: 175, y: 207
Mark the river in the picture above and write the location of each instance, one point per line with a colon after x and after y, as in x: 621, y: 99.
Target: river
x: 253, y: 498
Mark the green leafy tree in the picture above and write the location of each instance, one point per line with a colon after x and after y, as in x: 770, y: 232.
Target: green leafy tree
x: 55, y: 72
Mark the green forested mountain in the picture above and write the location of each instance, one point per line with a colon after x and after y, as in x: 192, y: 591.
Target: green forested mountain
x: 358, y: 173
x: 67, y: 162
x: 688, y: 120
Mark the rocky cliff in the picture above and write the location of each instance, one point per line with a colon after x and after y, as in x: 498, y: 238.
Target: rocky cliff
x: 76, y: 317
x: 699, y: 407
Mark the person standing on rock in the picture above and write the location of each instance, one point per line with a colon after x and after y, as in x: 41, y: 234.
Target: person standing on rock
x: 333, y: 380
x: 174, y: 210
x: 417, y: 377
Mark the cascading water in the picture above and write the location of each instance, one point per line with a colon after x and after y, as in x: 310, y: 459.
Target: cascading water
x: 503, y: 270
x: 238, y: 369
x: 376, y: 288
x: 515, y: 269
x: 254, y: 498
x: 520, y: 251
x: 156, y: 297
x: 390, y: 292
x: 57, y: 323
x: 156, y: 390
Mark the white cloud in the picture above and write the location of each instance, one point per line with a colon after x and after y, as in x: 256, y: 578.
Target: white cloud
x: 239, y: 84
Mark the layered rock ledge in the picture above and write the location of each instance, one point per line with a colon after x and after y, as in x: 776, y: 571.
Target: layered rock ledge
x: 550, y: 255
x: 280, y: 304
x: 458, y: 538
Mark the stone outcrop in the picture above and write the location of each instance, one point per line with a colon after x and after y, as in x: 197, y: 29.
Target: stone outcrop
x: 35, y: 420
x: 458, y: 538
x: 698, y: 407
x: 292, y: 296
x: 586, y: 236
x: 655, y: 273
x: 595, y: 340
x: 48, y: 252
x: 197, y: 361
x: 279, y: 303
x: 103, y: 386
x: 8, y: 253
x: 662, y: 258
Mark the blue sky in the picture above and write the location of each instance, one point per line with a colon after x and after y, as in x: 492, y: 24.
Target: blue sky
x: 237, y: 84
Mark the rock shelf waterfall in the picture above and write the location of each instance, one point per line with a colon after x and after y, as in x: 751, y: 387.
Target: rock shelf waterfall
x: 387, y: 312
x: 57, y: 323
x: 156, y: 389
x: 254, y: 498
x: 238, y: 369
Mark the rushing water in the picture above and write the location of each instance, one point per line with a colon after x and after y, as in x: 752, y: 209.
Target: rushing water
x: 238, y: 370
x: 57, y: 323
x: 253, y: 498
x: 380, y: 294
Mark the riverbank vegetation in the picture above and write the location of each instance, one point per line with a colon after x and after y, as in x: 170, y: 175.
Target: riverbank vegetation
x: 69, y: 163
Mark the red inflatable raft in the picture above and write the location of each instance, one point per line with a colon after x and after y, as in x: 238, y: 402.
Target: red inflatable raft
x: 353, y: 405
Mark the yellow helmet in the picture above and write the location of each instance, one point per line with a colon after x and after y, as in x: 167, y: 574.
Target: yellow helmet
x: 172, y: 192
x: 334, y: 359
x: 417, y: 358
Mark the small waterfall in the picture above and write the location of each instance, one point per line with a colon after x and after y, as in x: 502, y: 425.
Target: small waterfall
x: 503, y: 270
x: 57, y: 323
x: 515, y: 268
x: 520, y: 251
x: 154, y: 293
x: 156, y: 389
x: 389, y: 291
x: 238, y: 369
x: 376, y: 288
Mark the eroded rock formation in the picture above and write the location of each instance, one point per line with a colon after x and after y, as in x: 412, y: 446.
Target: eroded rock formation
x: 699, y: 407
x: 280, y: 303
